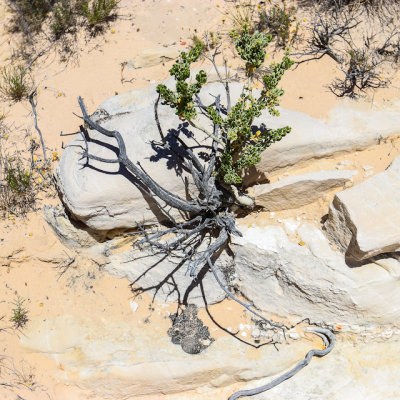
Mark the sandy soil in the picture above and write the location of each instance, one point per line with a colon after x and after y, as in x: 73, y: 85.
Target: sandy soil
x: 31, y: 255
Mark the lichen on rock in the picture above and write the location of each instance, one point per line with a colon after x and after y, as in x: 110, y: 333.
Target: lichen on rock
x: 188, y: 331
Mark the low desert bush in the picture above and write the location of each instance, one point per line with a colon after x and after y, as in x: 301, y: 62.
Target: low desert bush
x: 17, y: 178
x: 277, y: 19
x: 213, y: 38
x: 64, y: 18
x: 15, y: 82
x: 363, y: 70
x: 364, y: 43
x: 236, y: 141
x: 62, y: 15
x: 371, y: 5
x: 243, y: 17
x: 30, y: 14
x: 280, y: 21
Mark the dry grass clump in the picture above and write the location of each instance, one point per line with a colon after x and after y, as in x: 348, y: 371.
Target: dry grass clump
x: 15, y: 82
x: 29, y: 15
x: 369, y: 5
x: 24, y: 177
x: 97, y: 12
x: 362, y: 70
x: 278, y: 19
x: 63, y: 16
x: 366, y: 47
x: 68, y: 15
x: 17, y: 187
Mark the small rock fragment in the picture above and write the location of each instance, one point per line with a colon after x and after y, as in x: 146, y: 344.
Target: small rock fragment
x: 134, y: 305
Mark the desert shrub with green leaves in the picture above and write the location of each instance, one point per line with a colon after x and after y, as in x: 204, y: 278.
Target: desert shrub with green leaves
x: 17, y: 188
x: 276, y: 19
x: 17, y: 178
x: 240, y: 145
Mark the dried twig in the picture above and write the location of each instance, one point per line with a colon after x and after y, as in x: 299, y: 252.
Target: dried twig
x: 33, y: 101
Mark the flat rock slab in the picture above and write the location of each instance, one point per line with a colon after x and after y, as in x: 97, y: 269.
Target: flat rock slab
x: 346, y: 130
x: 365, y: 219
x: 306, y: 278
x: 125, y: 359
x: 166, y: 278
x: 299, y: 190
x: 349, y: 372
x: 105, y: 197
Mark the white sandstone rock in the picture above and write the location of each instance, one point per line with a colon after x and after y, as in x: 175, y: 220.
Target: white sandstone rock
x: 299, y: 190
x: 121, y: 359
x: 365, y: 219
x: 165, y: 278
x: 104, y: 197
x: 312, y: 281
x: 366, y: 371
x: 347, y: 130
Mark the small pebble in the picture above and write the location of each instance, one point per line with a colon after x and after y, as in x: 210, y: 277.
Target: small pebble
x: 134, y: 305
x: 256, y: 333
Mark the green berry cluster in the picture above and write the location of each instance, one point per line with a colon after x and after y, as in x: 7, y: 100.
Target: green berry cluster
x: 182, y: 98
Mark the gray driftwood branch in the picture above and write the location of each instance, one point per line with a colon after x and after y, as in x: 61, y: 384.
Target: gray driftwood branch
x: 33, y: 101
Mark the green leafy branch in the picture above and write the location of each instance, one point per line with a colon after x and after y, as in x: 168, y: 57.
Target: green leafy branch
x: 182, y: 99
x: 241, y: 146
